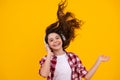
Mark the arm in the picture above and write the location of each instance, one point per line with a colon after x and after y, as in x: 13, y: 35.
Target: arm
x: 45, y: 69
x: 95, y: 66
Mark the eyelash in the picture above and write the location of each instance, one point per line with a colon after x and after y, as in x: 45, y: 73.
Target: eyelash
x: 56, y: 38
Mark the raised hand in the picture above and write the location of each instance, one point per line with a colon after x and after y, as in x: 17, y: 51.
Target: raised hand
x: 103, y: 58
x: 48, y: 50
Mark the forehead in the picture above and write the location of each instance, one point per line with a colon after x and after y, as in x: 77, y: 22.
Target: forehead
x: 53, y: 35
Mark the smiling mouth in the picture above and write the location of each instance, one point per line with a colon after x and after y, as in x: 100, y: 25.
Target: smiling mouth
x: 56, y: 45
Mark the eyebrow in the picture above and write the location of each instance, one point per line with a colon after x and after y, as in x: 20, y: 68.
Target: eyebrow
x: 55, y: 37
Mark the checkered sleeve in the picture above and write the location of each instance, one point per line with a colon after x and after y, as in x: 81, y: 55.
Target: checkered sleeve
x: 80, y: 68
x: 41, y: 62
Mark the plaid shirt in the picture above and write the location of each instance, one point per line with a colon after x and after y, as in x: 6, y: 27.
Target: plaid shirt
x: 78, y: 70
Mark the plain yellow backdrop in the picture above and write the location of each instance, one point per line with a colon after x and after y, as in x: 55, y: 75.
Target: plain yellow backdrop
x: 22, y: 26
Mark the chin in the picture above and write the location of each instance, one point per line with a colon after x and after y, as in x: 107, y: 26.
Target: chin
x: 57, y: 48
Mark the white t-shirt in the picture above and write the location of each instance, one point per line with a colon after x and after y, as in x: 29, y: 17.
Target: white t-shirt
x: 62, y: 70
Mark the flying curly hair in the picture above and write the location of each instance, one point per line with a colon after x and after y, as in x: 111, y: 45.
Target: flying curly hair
x: 65, y: 25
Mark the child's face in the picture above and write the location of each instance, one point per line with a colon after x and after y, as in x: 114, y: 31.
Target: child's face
x: 54, y: 41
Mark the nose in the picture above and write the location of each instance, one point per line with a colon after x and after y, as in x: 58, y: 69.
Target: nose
x: 55, y: 40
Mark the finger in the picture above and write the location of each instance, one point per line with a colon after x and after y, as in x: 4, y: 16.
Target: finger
x: 106, y: 58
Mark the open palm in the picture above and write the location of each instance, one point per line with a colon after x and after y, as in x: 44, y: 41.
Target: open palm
x: 104, y: 58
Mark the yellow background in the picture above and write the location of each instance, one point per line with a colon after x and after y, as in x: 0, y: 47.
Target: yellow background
x: 22, y: 26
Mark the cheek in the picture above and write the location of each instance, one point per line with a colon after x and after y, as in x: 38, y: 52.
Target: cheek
x: 61, y: 41
x: 50, y: 43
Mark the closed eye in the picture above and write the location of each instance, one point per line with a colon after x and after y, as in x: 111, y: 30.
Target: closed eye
x: 57, y: 37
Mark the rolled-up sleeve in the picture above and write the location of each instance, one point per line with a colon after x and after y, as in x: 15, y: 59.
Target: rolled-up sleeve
x: 41, y: 62
x: 81, y: 68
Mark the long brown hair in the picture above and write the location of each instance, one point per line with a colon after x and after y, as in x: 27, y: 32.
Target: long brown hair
x: 65, y: 25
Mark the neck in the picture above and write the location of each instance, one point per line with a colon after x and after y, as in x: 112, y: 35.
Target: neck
x: 58, y: 52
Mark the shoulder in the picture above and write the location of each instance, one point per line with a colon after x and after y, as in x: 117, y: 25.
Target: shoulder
x: 74, y: 57
x: 71, y: 54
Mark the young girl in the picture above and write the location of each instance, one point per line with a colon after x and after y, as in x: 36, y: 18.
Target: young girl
x: 60, y: 64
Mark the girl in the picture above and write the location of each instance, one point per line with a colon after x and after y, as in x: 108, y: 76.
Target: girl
x: 60, y: 64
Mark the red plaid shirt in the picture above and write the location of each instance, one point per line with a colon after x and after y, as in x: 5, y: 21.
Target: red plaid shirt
x: 78, y: 70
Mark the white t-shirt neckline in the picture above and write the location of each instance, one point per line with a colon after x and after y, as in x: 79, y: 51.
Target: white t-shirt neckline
x: 62, y: 68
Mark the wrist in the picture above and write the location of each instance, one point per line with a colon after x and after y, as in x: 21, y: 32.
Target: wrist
x: 50, y: 55
x: 98, y: 61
